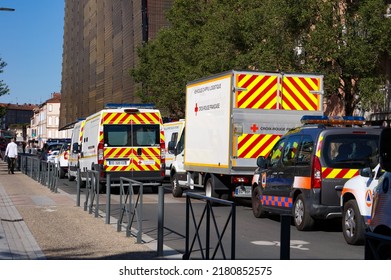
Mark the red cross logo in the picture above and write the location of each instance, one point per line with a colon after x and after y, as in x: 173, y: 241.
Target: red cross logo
x: 254, y: 128
x: 196, y: 109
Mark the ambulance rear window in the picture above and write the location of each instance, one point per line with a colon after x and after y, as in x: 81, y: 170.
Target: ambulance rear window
x: 131, y: 135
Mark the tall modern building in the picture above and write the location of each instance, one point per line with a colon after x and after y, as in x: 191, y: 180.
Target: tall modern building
x: 101, y: 38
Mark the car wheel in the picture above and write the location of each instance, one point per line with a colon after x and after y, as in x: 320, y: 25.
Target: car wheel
x: 353, y: 227
x: 301, y: 218
x: 256, y: 203
x: 176, y: 189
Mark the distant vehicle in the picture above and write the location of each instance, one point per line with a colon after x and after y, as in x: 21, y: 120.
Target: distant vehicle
x: 172, y: 130
x: 306, y: 169
x: 356, y: 202
x: 58, y: 140
x: 51, y: 157
x: 75, y: 149
x: 48, y: 149
x: 62, y: 160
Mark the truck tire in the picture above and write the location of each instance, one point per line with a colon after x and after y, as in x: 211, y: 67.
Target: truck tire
x: 301, y: 218
x: 209, y: 189
x: 176, y: 189
x: 256, y: 203
x: 353, y: 227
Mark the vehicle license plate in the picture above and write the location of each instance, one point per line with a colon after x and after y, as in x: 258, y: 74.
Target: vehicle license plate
x: 117, y: 162
x: 246, y: 191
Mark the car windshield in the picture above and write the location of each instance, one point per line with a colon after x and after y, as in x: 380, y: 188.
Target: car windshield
x: 351, y: 151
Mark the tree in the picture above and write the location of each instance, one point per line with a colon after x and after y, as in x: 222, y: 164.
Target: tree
x: 3, y: 87
x: 345, y: 40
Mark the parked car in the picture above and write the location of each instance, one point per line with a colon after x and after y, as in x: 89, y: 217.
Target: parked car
x: 356, y: 203
x: 304, y: 173
x: 51, y: 157
x: 48, y: 149
x: 62, y: 160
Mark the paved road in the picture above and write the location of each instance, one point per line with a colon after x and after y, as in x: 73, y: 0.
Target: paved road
x: 255, y: 238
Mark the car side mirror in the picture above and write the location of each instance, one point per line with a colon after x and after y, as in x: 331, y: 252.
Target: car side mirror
x: 75, y: 148
x: 262, y: 162
x: 366, y: 172
x: 171, y: 147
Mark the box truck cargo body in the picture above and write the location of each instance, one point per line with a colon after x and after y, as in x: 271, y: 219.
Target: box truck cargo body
x: 234, y: 117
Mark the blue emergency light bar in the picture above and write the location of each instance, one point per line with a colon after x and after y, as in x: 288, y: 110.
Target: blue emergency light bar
x: 130, y: 105
x: 334, y: 120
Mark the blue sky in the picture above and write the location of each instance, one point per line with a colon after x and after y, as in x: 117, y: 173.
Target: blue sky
x: 31, y: 43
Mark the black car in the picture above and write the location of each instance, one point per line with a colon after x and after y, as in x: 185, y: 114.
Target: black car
x: 304, y: 173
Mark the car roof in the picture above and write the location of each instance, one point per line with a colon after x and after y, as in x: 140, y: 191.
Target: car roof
x: 316, y: 130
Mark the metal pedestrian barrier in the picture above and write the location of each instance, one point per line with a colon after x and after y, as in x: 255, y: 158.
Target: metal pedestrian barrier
x: 92, y: 192
x: 208, y: 216
x: 43, y: 172
x: 131, y: 206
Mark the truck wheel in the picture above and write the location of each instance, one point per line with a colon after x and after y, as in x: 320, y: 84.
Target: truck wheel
x: 302, y: 219
x: 256, y: 203
x: 353, y: 227
x: 176, y: 189
x: 209, y: 189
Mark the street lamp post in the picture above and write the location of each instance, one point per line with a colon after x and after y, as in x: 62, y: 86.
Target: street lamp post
x: 7, y: 9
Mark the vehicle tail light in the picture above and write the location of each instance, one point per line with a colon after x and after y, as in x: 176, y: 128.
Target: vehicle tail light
x: 100, y: 153
x: 316, y: 173
x: 163, y: 158
x: 240, y: 180
x: 66, y: 155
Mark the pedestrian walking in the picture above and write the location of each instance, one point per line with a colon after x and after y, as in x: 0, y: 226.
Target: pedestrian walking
x: 11, y: 153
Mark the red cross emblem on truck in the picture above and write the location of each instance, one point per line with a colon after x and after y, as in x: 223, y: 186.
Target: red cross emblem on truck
x: 254, y: 128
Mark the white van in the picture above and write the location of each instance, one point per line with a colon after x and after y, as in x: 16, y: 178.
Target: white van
x: 124, y: 140
x: 172, y: 130
x: 74, y: 151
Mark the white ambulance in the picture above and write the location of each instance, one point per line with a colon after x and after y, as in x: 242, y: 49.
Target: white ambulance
x: 124, y: 140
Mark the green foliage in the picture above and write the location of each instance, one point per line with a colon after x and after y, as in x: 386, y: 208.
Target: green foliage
x: 3, y: 87
x: 344, y: 40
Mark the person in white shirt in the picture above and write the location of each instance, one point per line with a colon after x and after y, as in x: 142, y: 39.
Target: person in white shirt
x: 12, y: 154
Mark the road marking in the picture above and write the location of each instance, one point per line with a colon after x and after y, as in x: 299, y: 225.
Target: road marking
x: 295, y: 244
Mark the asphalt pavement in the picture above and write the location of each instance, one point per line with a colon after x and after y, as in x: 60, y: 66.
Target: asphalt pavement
x: 39, y: 224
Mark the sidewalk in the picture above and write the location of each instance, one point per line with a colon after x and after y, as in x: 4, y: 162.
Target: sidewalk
x: 36, y: 223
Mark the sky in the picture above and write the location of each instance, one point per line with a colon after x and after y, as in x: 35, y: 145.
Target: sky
x: 31, y: 43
